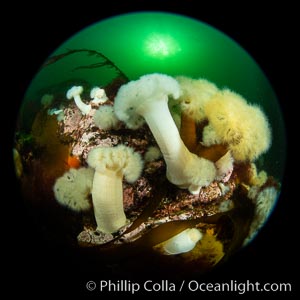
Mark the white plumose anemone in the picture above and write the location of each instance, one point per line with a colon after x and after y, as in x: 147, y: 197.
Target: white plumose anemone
x: 111, y: 164
x: 183, y: 242
x: 75, y: 92
x: 147, y: 100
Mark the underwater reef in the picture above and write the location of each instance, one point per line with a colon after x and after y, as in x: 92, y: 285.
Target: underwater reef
x: 161, y: 165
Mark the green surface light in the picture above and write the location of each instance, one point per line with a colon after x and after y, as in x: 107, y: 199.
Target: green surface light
x: 161, y: 46
x: 155, y: 42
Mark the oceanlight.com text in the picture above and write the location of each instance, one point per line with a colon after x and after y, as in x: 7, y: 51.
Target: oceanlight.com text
x: 232, y: 286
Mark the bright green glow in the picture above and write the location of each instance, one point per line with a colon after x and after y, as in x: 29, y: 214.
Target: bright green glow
x: 149, y: 42
x: 160, y: 46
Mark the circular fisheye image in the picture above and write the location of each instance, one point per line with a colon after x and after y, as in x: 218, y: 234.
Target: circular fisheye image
x: 150, y: 139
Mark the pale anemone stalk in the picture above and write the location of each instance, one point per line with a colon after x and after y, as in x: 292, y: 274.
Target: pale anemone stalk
x: 111, y: 164
x: 75, y: 92
x: 147, y: 99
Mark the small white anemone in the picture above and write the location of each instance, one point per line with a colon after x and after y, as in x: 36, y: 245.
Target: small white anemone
x: 105, y: 117
x: 98, y: 95
x: 75, y: 92
x: 153, y: 153
x: 73, y: 189
x: 54, y: 111
x: 58, y: 112
x: 183, y: 242
x: 47, y: 100
x: 209, y: 136
x: 264, y: 201
x: 257, y: 178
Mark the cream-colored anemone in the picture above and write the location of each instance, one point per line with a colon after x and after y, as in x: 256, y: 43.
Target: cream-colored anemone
x: 72, y: 190
x: 75, y: 92
x: 257, y: 178
x: 98, y: 95
x: 241, y: 126
x: 147, y: 100
x: 195, y: 94
x: 183, y: 242
x: 264, y: 201
x: 153, y: 153
x: 105, y: 117
x: 111, y: 164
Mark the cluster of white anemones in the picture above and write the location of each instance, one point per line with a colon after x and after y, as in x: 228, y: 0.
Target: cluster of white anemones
x: 98, y: 95
x: 231, y: 121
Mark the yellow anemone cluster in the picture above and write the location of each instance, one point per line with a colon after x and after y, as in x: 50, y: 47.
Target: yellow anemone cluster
x: 243, y: 127
x: 194, y: 96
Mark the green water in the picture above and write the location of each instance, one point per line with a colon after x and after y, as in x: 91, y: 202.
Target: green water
x: 142, y: 43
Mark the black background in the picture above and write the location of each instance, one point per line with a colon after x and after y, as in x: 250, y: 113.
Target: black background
x: 33, y: 31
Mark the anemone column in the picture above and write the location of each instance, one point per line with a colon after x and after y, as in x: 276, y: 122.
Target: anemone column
x: 148, y: 97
